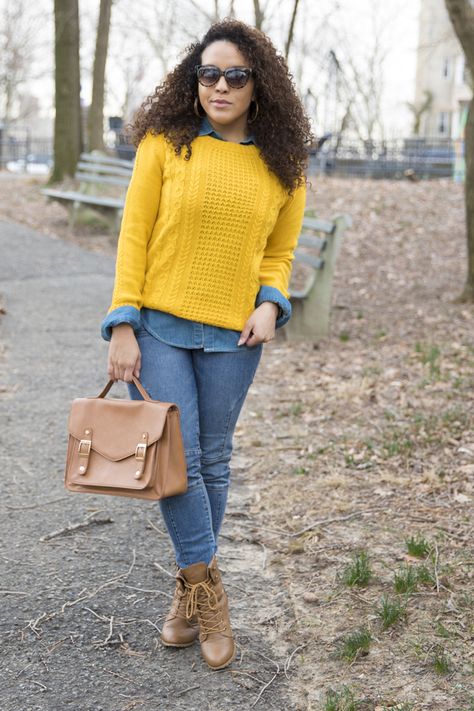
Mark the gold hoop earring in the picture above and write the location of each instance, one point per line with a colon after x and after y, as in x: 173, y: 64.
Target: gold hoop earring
x: 251, y: 120
x: 196, y: 108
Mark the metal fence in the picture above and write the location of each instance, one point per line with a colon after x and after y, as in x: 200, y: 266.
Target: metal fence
x: 15, y: 153
x: 396, y: 158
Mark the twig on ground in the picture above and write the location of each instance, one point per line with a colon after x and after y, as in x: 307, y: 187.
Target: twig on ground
x: 436, y: 567
x: 325, y: 521
x: 255, y: 678
x: 83, y: 595
x: 38, y: 683
x: 163, y: 570
x: 102, y: 618
x: 155, y: 528
x: 288, y: 660
x: 111, y: 629
x: 264, y: 559
x: 75, y: 527
x: 269, y: 682
x: 184, y: 691
x: 13, y: 592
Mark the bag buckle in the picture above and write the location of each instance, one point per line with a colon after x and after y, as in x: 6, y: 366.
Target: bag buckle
x: 83, y: 451
x: 140, y: 452
x: 84, y: 447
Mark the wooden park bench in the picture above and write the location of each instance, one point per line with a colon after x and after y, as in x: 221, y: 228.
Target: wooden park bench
x: 317, y: 249
x: 95, y: 174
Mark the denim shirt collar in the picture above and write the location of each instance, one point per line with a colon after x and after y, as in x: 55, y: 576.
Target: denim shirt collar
x: 206, y: 129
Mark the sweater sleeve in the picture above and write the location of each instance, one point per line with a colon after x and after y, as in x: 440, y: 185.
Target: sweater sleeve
x: 139, y: 216
x: 275, y: 268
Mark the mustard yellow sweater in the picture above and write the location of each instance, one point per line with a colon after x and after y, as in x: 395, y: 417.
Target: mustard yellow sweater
x: 199, y: 237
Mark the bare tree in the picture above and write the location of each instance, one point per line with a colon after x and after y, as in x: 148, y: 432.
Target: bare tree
x: 361, y: 75
x: 291, y: 30
x: 259, y: 14
x: 18, y: 41
x: 461, y: 13
x: 419, y: 110
x: 95, y: 122
x: 67, y: 123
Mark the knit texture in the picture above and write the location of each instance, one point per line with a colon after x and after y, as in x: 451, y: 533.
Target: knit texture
x: 199, y: 237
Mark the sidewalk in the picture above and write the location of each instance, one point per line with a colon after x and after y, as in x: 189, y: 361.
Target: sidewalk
x: 81, y: 612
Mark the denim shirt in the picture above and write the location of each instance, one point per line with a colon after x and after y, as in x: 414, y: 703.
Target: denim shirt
x: 184, y: 333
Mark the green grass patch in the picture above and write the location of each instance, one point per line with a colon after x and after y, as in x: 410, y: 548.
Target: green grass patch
x: 430, y: 356
x: 342, y: 700
x: 409, y: 577
x: 296, y: 408
x: 390, y: 611
x: 300, y: 471
x: 424, y: 576
x: 358, y: 572
x: 440, y: 661
x: 405, y: 580
x: 417, y: 546
x: 355, y: 645
x: 443, y: 631
x: 396, y: 443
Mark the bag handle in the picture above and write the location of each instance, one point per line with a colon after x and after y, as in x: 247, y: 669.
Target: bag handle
x: 138, y: 384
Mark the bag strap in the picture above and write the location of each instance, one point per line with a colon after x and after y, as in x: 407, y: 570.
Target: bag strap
x: 138, y: 384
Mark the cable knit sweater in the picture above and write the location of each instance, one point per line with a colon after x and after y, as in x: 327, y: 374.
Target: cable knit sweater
x: 199, y: 237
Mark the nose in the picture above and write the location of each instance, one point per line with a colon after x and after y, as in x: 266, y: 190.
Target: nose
x: 222, y: 84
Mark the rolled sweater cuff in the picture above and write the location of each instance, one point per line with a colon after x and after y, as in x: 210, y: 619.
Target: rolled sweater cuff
x: 271, y: 293
x: 122, y: 314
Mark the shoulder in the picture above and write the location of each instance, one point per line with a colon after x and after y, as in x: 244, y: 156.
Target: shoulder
x: 152, y: 147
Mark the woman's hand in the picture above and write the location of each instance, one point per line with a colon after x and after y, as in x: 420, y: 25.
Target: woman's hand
x: 124, y: 354
x: 260, y: 326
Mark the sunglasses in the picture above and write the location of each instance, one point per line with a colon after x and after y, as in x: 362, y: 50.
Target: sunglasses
x: 236, y: 77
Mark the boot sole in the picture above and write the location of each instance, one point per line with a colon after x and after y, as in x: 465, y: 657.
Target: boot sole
x: 172, y: 644
x: 222, y: 666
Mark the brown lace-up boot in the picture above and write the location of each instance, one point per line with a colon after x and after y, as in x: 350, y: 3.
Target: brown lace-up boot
x: 207, y: 599
x: 178, y: 630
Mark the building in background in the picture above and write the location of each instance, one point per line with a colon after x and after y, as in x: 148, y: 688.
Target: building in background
x: 441, y: 71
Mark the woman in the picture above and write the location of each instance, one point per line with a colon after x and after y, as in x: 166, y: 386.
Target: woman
x: 203, y: 264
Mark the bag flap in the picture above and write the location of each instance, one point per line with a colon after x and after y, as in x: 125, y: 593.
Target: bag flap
x: 117, y: 425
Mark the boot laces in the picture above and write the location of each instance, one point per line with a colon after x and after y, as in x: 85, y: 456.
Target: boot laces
x: 178, y: 607
x: 202, y: 600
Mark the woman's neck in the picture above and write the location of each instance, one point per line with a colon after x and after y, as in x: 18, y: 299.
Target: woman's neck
x: 235, y: 132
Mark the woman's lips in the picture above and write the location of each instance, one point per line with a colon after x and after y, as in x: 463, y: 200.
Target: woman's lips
x: 221, y: 103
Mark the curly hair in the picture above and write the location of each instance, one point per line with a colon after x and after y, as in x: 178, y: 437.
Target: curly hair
x: 281, y: 129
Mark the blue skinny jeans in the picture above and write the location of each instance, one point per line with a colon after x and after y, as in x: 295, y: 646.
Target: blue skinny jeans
x: 209, y: 389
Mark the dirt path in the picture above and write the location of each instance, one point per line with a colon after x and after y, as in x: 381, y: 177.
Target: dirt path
x: 81, y: 612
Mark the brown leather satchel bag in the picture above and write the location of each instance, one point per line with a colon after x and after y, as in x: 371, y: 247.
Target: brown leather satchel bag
x: 125, y: 447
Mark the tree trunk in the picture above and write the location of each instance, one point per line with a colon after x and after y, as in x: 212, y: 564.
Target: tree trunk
x: 258, y: 12
x: 291, y: 30
x: 461, y: 14
x: 95, y: 122
x: 67, y: 123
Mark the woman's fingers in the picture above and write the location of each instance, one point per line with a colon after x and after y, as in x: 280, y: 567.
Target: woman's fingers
x: 124, y: 357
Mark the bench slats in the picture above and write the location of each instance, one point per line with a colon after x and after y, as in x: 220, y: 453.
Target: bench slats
x: 101, y: 179
x: 314, y: 223
x: 104, y: 169
x: 71, y: 196
x: 106, y: 160
x: 308, y: 240
x: 312, y: 260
